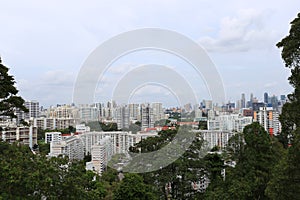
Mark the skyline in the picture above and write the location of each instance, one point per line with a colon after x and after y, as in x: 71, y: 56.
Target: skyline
x: 44, y: 46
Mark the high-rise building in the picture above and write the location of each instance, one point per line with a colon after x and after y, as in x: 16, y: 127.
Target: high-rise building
x: 268, y: 118
x: 208, y: 104
x: 243, y: 101
x: 257, y: 105
x: 63, y: 111
x: 34, y: 109
x: 88, y: 113
x: 133, y: 111
x: 158, y: 112
x: 266, y: 98
x: 122, y: 117
x: 70, y: 146
x: 232, y: 122
x: 274, y: 102
x: 101, y: 154
x: 147, y: 117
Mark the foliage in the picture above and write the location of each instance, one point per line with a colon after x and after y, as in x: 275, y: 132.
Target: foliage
x: 9, y: 101
x: 202, y: 125
x: 162, y: 122
x: 255, y: 158
x: 285, y: 177
x: 133, y: 187
x: 44, y: 148
x: 100, y: 126
x: 290, y: 118
x: 180, y: 174
x: 25, y: 175
x: 134, y: 128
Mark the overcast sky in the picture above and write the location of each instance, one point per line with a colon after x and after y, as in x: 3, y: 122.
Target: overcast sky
x: 45, y: 43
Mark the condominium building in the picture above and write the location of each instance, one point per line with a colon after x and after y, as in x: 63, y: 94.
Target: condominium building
x: 101, y: 153
x: 120, y: 140
x: 158, y: 112
x: 133, y: 111
x: 121, y: 117
x: 70, y: 146
x: 23, y: 134
x: 216, y: 137
x: 228, y: 122
x: 63, y: 111
x: 147, y: 117
x: 52, y: 137
x: 33, y: 111
x: 82, y: 128
x: 33, y: 108
x: 269, y: 119
x: 54, y: 123
x: 89, y: 113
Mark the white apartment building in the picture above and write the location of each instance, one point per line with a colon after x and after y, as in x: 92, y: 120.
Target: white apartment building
x: 231, y: 122
x: 34, y: 109
x: 216, y: 137
x: 158, y: 112
x: 52, y: 137
x: 54, y: 123
x: 101, y: 154
x: 23, y: 134
x: 134, y: 111
x: 71, y: 147
x: 89, y: 113
x: 82, y: 128
x: 121, y: 117
x: 120, y: 140
x: 63, y: 111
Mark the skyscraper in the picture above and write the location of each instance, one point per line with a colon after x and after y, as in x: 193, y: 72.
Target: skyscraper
x: 243, y: 101
x: 147, y: 116
x: 268, y: 118
x: 266, y: 98
x: 34, y: 109
x: 133, y: 111
x: 157, y: 111
x: 122, y: 117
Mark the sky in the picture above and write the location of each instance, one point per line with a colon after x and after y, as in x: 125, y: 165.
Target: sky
x: 45, y: 44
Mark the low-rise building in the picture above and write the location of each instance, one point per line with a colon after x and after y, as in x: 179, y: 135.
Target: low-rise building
x: 23, y: 134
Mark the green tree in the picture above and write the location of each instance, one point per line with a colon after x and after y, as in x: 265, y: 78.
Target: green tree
x: 25, y: 175
x: 284, y: 183
x: 9, y: 101
x: 133, y: 187
x: 255, y: 160
x: 290, y: 45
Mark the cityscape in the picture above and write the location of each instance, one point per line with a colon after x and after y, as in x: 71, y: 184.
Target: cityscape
x: 132, y: 123
x: 150, y: 100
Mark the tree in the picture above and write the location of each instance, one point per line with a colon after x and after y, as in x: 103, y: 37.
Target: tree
x: 25, y: 175
x: 9, y: 101
x: 255, y: 157
x: 290, y: 118
x: 285, y: 178
x: 133, y: 187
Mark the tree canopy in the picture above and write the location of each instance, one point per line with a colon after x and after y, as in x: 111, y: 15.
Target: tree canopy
x: 290, y: 45
x: 9, y: 101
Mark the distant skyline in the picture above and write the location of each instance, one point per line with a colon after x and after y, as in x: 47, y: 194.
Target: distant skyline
x: 45, y: 43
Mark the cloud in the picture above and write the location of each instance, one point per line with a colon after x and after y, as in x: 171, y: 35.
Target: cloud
x: 244, y: 32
